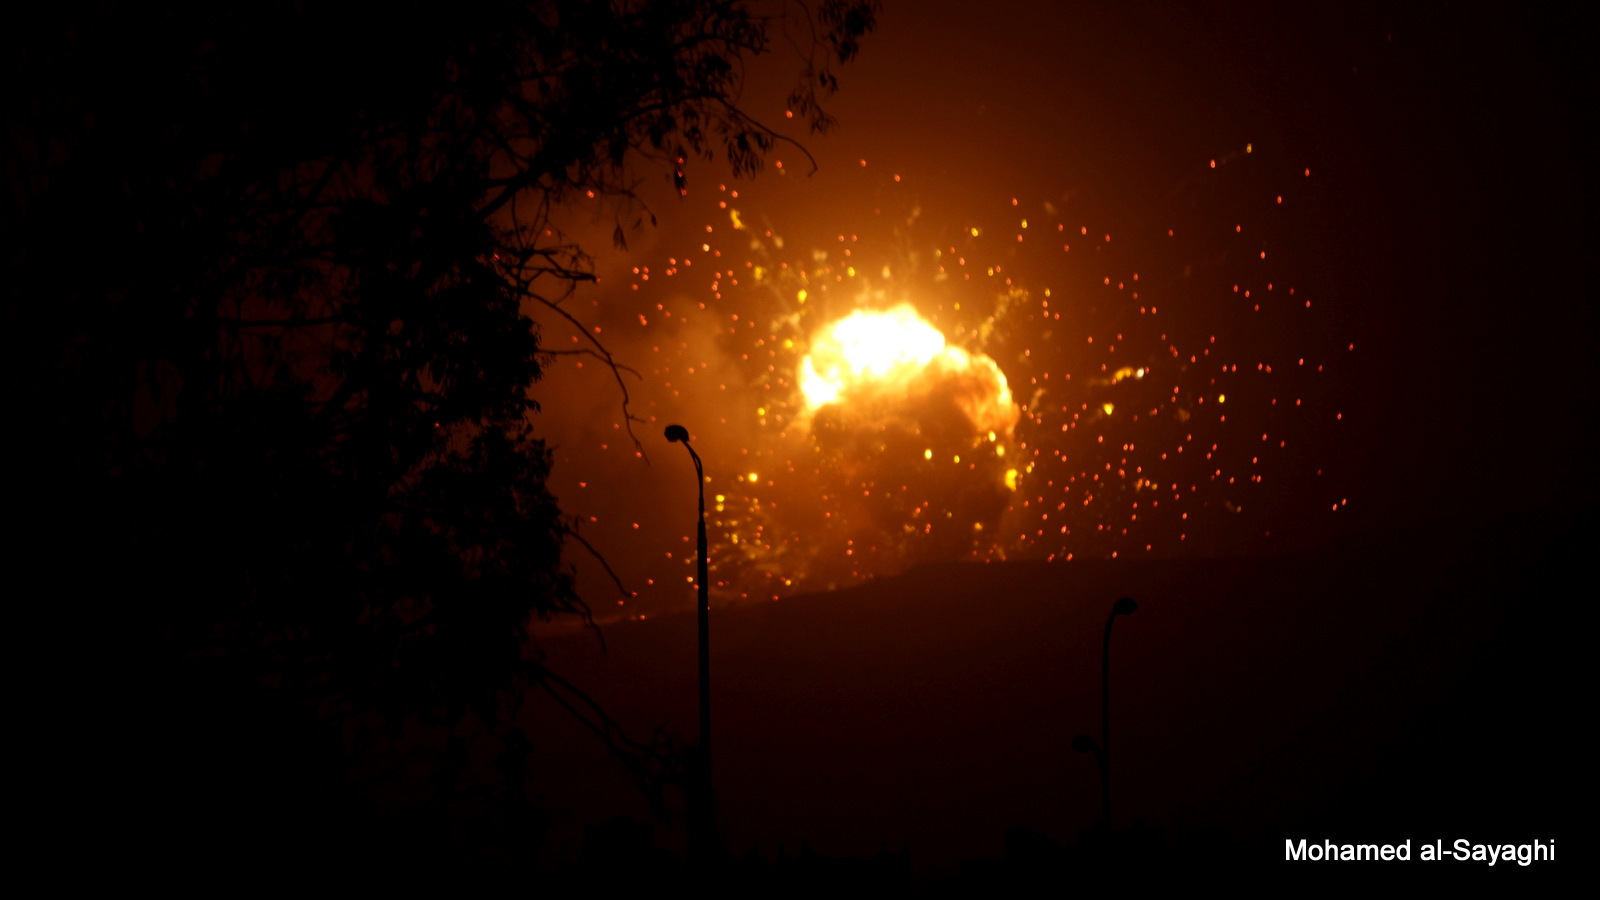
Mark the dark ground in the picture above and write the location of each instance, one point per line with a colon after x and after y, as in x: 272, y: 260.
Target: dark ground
x: 1420, y: 684
x: 1409, y: 685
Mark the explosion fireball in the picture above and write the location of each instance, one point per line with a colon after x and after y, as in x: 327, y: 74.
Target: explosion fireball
x: 881, y: 359
x: 854, y: 386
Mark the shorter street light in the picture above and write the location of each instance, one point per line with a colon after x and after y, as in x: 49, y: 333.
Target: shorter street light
x: 1086, y: 744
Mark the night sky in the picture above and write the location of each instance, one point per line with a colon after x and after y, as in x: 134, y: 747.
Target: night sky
x: 1276, y: 318
x: 1415, y: 297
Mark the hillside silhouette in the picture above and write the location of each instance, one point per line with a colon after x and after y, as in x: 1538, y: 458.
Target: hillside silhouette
x: 1385, y: 687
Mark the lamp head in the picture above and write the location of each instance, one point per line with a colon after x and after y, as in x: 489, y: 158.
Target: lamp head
x: 1124, y: 607
x: 677, y: 433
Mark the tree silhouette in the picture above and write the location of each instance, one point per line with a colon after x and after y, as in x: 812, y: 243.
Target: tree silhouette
x: 268, y: 280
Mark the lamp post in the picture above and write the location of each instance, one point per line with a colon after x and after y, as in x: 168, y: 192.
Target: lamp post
x: 1086, y: 744
x: 702, y: 825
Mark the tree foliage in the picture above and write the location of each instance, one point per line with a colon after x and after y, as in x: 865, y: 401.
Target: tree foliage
x: 269, y: 275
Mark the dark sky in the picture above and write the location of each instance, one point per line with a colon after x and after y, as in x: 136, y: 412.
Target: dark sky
x: 1445, y: 231
x: 1443, y: 234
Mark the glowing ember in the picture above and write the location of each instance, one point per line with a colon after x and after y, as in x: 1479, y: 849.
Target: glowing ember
x: 855, y: 435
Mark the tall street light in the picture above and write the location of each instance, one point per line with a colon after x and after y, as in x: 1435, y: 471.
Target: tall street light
x: 1085, y: 744
x: 702, y: 825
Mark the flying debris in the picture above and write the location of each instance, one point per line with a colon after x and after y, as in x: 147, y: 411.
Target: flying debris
x: 869, y: 372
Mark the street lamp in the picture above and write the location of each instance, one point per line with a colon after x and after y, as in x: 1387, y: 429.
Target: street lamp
x: 702, y: 827
x: 1086, y: 744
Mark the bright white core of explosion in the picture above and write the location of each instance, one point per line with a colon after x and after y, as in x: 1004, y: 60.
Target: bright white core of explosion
x: 893, y: 353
